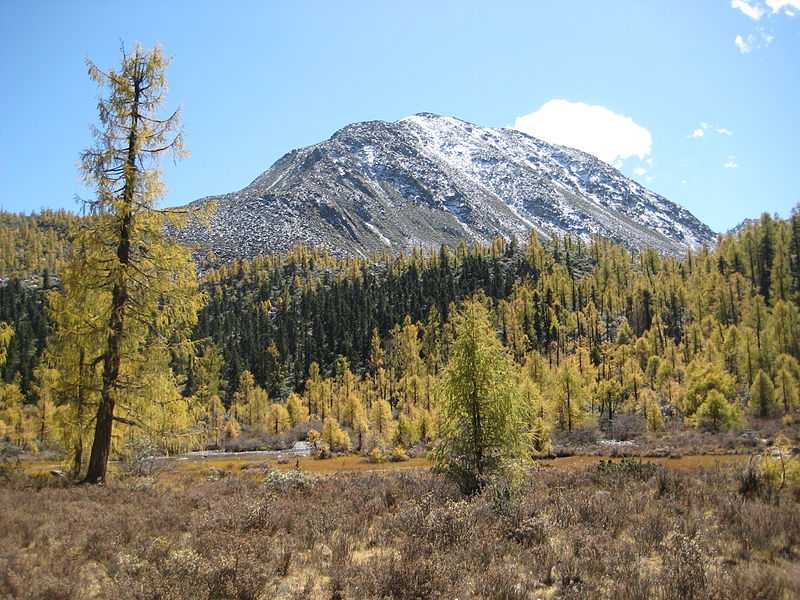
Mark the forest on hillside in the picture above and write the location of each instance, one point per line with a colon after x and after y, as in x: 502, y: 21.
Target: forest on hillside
x: 355, y: 348
x: 362, y: 355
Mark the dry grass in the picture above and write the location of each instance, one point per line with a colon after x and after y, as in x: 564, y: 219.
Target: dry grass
x: 683, y: 463
x: 624, y: 532
x: 254, y: 468
x: 230, y: 463
x: 678, y: 439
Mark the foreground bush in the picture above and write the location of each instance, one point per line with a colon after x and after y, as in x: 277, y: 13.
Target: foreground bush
x: 624, y: 532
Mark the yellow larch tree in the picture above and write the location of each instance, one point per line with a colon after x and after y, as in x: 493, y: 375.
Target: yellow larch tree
x: 143, y: 285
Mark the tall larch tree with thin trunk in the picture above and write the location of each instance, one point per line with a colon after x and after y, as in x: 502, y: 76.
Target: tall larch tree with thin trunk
x: 142, y: 284
x: 481, y: 419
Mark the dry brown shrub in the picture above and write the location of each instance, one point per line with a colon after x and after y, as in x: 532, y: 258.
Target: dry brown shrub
x: 577, y: 534
x: 683, y: 572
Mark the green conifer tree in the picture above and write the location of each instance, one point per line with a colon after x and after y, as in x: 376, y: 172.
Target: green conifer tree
x: 715, y: 413
x: 763, y: 401
x: 481, y: 415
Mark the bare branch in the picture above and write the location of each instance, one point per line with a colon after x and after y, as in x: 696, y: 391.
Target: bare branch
x: 130, y: 422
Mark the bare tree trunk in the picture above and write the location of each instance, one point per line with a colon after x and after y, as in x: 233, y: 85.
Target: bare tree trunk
x: 101, y: 446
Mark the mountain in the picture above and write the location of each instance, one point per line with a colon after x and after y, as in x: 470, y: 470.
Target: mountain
x: 428, y: 180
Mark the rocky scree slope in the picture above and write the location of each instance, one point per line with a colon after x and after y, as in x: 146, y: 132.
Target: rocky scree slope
x: 428, y: 180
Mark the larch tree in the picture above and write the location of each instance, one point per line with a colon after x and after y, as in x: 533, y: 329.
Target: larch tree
x: 168, y: 420
x: 701, y: 378
x: 278, y: 419
x: 10, y: 396
x: 6, y: 333
x: 787, y: 374
x: 334, y: 437
x: 313, y: 392
x: 537, y: 416
x: 763, y: 401
x: 611, y: 396
x: 72, y: 353
x: 15, y: 417
x: 715, y: 413
x: 407, y: 433
x: 652, y: 411
x: 250, y: 402
x: 361, y: 428
x: 570, y: 395
x: 298, y: 413
x: 142, y: 285
x: 382, y: 420
x: 207, y: 371
x: 481, y: 419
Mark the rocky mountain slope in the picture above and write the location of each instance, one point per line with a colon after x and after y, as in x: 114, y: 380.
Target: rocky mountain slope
x: 428, y: 180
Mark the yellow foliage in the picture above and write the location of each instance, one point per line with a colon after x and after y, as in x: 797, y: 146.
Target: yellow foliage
x: 333, y: 437
x: 232, y: 429
x: 278, y: 419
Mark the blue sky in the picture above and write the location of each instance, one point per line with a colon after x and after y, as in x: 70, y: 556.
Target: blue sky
x: 696, y: 100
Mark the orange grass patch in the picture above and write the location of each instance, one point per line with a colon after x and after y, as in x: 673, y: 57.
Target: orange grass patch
x: 254, y: 468
x: 349, y: 463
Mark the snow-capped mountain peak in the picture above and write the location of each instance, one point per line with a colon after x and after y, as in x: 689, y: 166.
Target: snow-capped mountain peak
x: 428, y: 180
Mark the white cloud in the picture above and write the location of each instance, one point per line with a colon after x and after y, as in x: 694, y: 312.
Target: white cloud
x: 745, y: 47
x: 700, y: 132
x: 786, y: 5
x: 755, y: 9
x: 639, y: 171
x: 753, y: 41
x: 593, y: 129
x: 705, y: 127
x: 752, y: 10
x: 731, y: 164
